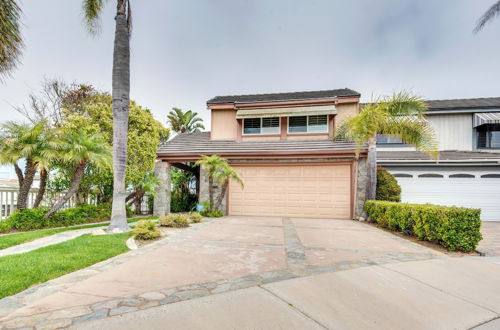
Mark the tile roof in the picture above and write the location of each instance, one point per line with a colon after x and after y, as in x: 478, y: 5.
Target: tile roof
x: 276, y: 97
x: 199, y: 143
x: 443, y: 155
x: 481, y: 103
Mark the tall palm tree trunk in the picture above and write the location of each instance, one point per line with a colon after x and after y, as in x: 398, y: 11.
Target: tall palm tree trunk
x: 371, y: 177
x: 75, y: 184
x: 24, y: 188
x: 41, y: 190
x: 121, y: 101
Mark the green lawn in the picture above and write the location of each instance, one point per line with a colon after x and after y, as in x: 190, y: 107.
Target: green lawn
x: 18, y: 238
x: 20, y: 271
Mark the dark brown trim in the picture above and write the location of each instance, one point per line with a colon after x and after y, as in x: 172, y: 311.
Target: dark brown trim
x: 283, y: 127
x: 312, y: 163
x: 331, y: 100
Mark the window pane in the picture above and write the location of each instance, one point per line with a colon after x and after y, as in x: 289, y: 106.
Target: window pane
x: 251, y: 126
x: 318, y: 123
x: 297, y: 124
x: 495, y: 139
x: 270, y: 125
x: 388, y: 139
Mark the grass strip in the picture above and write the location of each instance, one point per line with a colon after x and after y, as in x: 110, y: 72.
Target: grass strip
x: 21, y: 271
x: 23, y: 237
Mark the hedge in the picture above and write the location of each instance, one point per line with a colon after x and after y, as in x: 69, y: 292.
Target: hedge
x: 31, y: 219
x: 388, y: 188
x: 455, y: 228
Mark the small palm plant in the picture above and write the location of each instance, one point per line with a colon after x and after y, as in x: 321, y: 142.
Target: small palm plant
x: 184, y: 122
x: 11, y: 43
x: 401, y: 115
x: 36, y: 144
x: 79, y: 150
x: 219, y: 171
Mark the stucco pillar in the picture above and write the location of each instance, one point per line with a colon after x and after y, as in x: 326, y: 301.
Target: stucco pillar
x: 204, y: 193
x: 161, y: 204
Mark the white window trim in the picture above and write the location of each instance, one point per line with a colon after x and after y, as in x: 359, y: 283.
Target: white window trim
x: 257, y: 134
x: 307, y: 126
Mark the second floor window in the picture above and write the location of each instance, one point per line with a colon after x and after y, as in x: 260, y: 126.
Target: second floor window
x: 388, y: 139
x: 261, y: 125
x: 308, y: 124
x: 488, y: 136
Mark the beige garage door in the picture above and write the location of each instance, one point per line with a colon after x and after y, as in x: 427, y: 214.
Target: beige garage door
x: 316, y: 191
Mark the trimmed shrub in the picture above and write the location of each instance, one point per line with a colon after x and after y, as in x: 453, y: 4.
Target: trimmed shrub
x: 32, y: 219
x: 175, y: 220
x: 146, y: 230
x: 388, y: 188
x: 455, y: 228
x: 195, y: 217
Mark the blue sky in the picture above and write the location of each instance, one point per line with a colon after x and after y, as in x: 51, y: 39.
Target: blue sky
x: 187, y: 51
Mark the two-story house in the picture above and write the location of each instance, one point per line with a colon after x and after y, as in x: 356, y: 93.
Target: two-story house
x: 281, y: 144
x: 467, y: 172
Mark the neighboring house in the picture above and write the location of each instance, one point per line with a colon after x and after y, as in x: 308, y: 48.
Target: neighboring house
x: 467, y: 172
x: 281, y: 145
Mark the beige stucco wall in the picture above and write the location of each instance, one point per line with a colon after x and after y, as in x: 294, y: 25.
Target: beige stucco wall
x: 345, y: 110
x: 307, y: 137
x: 260, y: 138
x: 224, y: 125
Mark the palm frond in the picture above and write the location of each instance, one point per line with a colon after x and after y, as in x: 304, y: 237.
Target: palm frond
x: 489, y: 15
x: 403, y: 104
x: 11, y: 44
x: 92, y: 10
x: 414, y: 131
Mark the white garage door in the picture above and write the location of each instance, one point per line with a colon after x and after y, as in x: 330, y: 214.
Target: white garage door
x: 314, y: 191
x: 468, y: 189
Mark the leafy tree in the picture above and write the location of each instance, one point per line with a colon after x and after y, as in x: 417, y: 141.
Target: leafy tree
x: 80, y: 149
x: 36, y: 144
x: 402, y: 115
x: 147, y: 185
x: 121, y: 99
x: 388, y: 188
x: 11, y: 43
x: 219, y: 171
x: 488, y: 16
x: 184, y: 122
x: 94, y: 115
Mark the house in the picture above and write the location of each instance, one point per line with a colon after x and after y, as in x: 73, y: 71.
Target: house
x: 281, y: 145
x: 467, y: 172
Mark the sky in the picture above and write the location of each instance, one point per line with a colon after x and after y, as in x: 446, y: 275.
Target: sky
x: 185, y: 52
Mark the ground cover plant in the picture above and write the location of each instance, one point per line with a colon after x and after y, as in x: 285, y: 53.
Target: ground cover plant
x: 175, y: 220
x: 455, y: 228
x: 21, y: 271
x: 146, y: 230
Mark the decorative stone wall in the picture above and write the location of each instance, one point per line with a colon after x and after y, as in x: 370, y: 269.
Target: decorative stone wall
x: 204, y: 195
x: 361, y: 188
x: 161, y: 204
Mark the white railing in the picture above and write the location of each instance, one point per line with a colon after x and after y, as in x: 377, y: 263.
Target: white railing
x: 8, y: 201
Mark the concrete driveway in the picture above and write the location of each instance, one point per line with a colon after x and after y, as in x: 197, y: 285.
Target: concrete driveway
x: 268, y: 273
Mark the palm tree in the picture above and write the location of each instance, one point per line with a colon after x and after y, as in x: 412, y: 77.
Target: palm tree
x: 184, y: 122
x: 36, y: 144
x: 221, y: 172
x: 80, y: 149
x: 402, y: 115
x: 121, y: 99
x: 11, y: 43
x: 491, y: 13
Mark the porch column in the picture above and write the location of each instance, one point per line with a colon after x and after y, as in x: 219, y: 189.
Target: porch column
x: 161, y: 204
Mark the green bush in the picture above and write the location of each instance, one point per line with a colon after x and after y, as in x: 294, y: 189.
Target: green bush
x: 181, y: 202
x: 455, y: 228
x: 5, y: 226
x: 213, y: 214
x: 175, y: 220
x: 388, y: 188
x: 32, y: 219
x: 146, y: 230
x: 195, y: 217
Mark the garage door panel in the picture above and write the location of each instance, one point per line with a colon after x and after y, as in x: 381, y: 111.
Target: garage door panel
x: 295, y: 191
